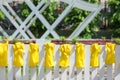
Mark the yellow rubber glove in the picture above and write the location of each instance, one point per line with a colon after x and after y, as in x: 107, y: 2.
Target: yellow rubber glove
x: 80, y: 55
x: 49, y: 55
x: 94, y: 59
x: 18, y: 49
x: 110, y: 53
x: 4, y: 54
x: 65, y: 50
x: 34, y: 54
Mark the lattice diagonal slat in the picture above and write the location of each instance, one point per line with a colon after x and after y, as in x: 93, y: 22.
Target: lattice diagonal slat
x: 22, y: 29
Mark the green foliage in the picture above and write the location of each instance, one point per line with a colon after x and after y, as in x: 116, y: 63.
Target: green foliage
x: 15, y: 40
x: 75, y: 40
x: 117, y: 40
x: 93, y: 1
x: 103, y: 37
x: 2, y: 16
x: 51, y: 12
x: 116, y: 33
x: 24, y: 11
x: 75, y: 17
x: 114, y: 15
x: 62, y: 38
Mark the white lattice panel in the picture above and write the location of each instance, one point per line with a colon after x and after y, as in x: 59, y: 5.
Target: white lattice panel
x: 22, y: 27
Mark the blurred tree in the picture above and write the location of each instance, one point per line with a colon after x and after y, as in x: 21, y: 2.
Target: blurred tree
x: 114, y: 17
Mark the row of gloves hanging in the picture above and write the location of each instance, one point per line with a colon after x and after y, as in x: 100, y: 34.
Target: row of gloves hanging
x: 65, y: 50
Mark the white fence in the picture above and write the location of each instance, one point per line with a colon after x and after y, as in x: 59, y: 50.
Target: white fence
x: 23, y: 27
x: 15, y: 73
